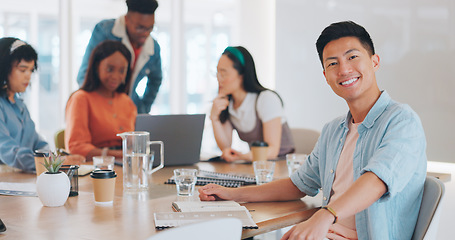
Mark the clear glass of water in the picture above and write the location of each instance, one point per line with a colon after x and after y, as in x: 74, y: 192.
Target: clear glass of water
x: 263, y: 170
x: 185, y: 180
x: 103, y: 162
x: 136, y: 171
x: 294, y: 161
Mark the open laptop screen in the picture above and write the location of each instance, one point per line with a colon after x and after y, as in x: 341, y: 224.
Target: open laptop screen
x: 181, y: 135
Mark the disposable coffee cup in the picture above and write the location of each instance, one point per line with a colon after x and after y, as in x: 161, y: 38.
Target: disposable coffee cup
x: 104, y: 186
x: 259, y: 150
x: 39, y: 160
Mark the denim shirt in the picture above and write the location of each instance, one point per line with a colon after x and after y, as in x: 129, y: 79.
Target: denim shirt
x: 149, y: 59
x: 392, y: 145
x: 18, y: 138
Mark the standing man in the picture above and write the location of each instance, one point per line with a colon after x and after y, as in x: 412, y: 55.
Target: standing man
x: 133, y: 30
x: 370, y: 164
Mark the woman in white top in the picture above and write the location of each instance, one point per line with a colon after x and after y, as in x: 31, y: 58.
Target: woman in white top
x: 245, y: 105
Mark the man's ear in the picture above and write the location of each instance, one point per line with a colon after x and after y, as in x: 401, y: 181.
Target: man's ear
x: 323, y: 72
x: 375, y: 60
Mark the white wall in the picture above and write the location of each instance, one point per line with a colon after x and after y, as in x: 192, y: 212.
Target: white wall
x: 416, y: 43
x: 256, y: 32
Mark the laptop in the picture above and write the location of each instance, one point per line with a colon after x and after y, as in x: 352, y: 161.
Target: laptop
x: 181, y: 135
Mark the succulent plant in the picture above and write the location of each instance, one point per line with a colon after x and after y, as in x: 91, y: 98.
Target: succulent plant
x: 53, y: 162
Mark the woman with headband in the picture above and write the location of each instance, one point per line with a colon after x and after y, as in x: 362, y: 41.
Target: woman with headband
x: 243, y: 104
x: 18, y: 137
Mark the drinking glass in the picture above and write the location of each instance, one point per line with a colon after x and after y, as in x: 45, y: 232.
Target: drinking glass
x: 185, y: 180
x: 263, y: 170
x: 103, y: 162
x: 294, y: 161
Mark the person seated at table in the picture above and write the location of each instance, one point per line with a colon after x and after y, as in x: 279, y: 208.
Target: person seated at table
x: 370, y: 164
x: 243, y: 104
x: 18, y: 137
x: 101, y: 108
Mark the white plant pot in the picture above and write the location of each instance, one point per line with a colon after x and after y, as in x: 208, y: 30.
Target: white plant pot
x: 53, y: 188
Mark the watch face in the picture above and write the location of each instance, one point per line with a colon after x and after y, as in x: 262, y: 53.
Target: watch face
x: 2, y: 226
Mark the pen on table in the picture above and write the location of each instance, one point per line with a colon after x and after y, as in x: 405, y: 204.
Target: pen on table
x: 63, y: 152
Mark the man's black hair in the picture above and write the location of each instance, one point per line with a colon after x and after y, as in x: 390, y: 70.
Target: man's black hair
x: 142, y: 6
x: 344, y: 29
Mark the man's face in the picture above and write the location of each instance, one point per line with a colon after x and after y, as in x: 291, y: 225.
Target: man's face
x: 350, y: 70
x: 139, y: 26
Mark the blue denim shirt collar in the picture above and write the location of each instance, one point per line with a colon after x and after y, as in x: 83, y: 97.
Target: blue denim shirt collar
x: 18, y: 105
x: 374, y: 113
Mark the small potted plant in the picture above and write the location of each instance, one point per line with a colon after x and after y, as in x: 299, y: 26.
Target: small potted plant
x: 53, y: 186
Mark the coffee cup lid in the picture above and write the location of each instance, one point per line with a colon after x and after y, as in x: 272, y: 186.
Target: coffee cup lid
x: 102, y: 174
x: 259, y: 144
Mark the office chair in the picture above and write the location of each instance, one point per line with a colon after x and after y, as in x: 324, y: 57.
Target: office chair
x: 220, y: 229
x: 430, y: 209
x: 304, y: 139
x: 59, y: 139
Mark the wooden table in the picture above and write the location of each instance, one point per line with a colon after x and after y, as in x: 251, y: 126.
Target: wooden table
x: 131, y: 215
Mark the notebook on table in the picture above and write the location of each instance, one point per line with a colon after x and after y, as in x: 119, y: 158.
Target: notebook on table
x: 222, y: 179
x: 181, y: 135
x: 196, y: 211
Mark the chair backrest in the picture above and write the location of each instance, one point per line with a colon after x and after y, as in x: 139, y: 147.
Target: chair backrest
x: 59, y: 139
x: 429, y: 214
x: 304, y: 139
x: 220, y: 229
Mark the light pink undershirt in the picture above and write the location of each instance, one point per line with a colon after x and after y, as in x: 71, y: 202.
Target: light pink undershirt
x: 345, y: 228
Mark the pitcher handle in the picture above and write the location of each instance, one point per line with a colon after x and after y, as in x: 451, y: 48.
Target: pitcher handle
x: 161, y: 155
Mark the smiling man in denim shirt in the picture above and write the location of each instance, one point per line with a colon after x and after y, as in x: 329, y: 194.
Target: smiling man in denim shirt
x: 133, y: 30
x: 370, y: 164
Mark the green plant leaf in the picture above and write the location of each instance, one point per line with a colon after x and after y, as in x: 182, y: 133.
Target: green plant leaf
x: 53, y: 162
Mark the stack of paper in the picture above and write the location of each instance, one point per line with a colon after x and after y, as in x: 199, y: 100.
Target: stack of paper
x: 191, y: 212
x: 18, y: 189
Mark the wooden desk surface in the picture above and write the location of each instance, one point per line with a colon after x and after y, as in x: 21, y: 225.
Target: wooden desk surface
x: 131, y: 215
